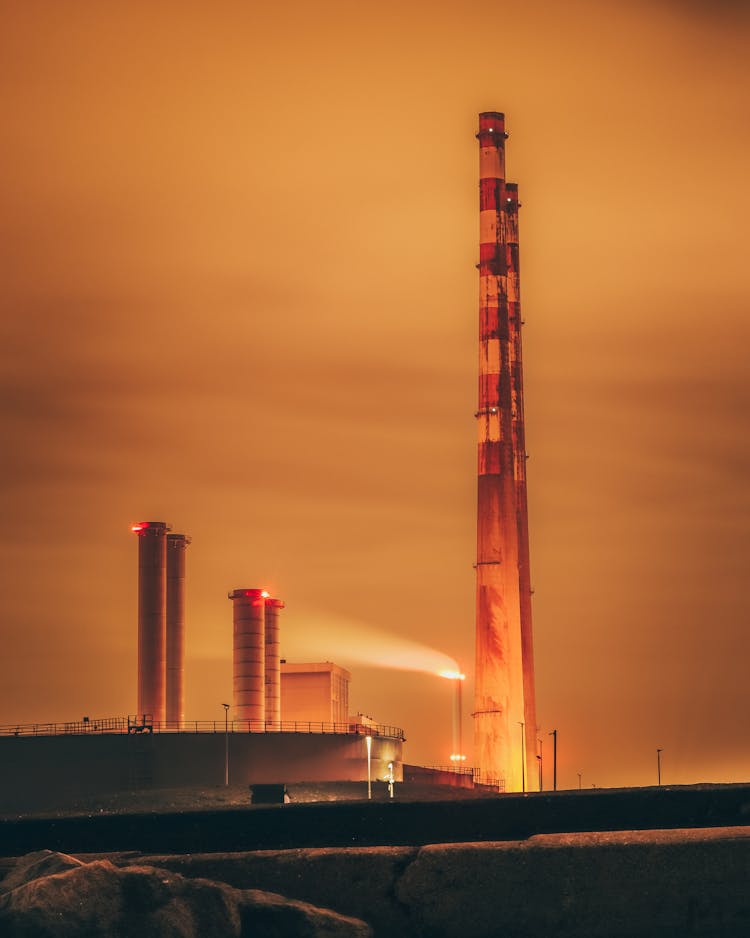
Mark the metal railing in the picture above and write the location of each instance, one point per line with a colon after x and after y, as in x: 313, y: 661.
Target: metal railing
x: 498, y: 784
x: 76, y: 727
x: 453, y: 769
x: 139, y: 724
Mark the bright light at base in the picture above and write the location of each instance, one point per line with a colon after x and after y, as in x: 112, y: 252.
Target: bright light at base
x: 456, y: 757
x: 452, y: 675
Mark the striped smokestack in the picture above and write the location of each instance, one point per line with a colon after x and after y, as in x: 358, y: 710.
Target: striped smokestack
x: 504, y: 672
x: 522, y: 512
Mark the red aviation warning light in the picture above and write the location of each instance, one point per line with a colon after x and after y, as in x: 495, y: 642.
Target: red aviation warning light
x: 156, y: 526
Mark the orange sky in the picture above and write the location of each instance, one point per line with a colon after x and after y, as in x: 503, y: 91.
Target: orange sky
x: 239, y: 296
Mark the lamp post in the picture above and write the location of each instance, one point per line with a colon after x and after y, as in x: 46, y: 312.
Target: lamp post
x: 540, y: 759
x: 658, y: 766
x: 523, y: 756
x: 368, y: 743
x: 457, y: 755
x: 579, y: 781
x: 553, y: 734
x: 226, y: 743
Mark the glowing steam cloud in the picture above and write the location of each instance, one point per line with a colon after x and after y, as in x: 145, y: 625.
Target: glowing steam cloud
x: 319, y: 637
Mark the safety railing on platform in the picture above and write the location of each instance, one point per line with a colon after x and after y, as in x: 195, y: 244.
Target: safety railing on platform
x: 484, y: 781
x: 453, y: 769
x: 89, y: 726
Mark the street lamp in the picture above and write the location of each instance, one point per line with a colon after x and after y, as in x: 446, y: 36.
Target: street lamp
x: 579, y: 781
x: 540, y: 759
x: 553, y: 734
x: 658, y: 766
x: 226, y: 743
x: 368, y: 743
x: 523, y: 755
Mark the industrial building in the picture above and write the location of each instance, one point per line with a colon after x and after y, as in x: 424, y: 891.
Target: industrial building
x: 315, y: 692
x: 289, y: 721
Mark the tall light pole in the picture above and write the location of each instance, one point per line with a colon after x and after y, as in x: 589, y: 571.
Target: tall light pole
x: 553, y: 734
x: 658, y: 766
x: 523, y: 756
x: 540, y: 758
x: 226, y: 743
x: 579, y: 781
x: 368, y: 743
x: 457, y: 755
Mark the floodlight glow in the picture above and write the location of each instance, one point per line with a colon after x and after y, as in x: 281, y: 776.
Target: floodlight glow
x: 452, y: 675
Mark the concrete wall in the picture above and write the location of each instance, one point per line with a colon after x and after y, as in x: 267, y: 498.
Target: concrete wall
x: 40, y: 770
x: 634, y: 884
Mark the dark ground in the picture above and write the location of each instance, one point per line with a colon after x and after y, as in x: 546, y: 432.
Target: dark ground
x: 215, y: 820
x: 233, y: 796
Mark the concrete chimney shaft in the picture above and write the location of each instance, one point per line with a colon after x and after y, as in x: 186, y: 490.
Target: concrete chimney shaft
x: 249, y: 665
x: 152, y: 610
x: 273, y: 662
x: 175, y: 629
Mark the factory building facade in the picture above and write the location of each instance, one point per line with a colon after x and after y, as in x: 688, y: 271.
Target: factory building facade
x: 64, y: 767
x: 315, y: 692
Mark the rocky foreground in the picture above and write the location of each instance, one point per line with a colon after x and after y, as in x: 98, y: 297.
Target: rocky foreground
x: 52, y: 895
x: 625, y: 884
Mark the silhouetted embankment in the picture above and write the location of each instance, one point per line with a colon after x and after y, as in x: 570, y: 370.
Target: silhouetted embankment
x: 390, y: 823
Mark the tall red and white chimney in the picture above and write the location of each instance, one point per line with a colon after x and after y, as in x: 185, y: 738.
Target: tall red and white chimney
x: 504, y: 715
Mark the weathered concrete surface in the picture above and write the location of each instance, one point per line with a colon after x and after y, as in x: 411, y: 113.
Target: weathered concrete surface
x: 599, y: 886
x: 636, y: 884
x: 358, y: 881
x: 100, y: 900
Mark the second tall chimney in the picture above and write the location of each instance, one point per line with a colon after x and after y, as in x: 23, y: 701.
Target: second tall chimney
x: 273, y: 662
x: 175, y: 631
